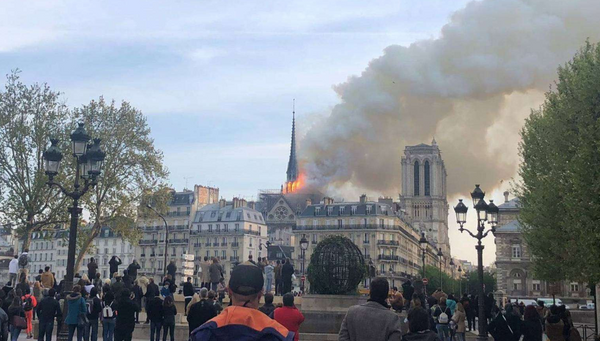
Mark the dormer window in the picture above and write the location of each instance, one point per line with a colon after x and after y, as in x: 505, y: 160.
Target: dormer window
x: 329, y: 210
x: 353, y: 210
x: 317, y: 210
x: 368, y: 209
x: 342, y: 210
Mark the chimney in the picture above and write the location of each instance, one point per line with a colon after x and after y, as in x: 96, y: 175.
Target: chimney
x: 327, y: 201
x: 506, y: 196
x: 308, y: 202
x: 363, y: 199
x: 222, y: 203
x: 251, y: 204
x: 236, y: 202
x: 243, y: 203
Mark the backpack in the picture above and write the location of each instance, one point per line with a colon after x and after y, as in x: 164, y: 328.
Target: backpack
x: 28, y: 304
x: 443, y: 318
x: 23, y: 260
x: 107, y: 311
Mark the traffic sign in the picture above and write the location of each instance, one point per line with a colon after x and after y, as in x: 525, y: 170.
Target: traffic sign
x: 188, y: 272
x: 303, y: 278
x: 189, y: 257
x: 188, y: 265
x: 425, y: 281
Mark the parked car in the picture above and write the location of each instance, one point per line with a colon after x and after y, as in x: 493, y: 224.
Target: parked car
x: 587, y: 306
x: 550, y: 301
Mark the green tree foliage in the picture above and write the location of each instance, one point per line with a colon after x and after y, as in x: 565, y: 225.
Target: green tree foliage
x: 29, y: 117
x: 560, y: 171
x: 132, y: 166
x: 454, y: 285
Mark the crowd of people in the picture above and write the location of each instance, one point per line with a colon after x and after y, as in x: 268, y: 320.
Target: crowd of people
x: 443, y: 317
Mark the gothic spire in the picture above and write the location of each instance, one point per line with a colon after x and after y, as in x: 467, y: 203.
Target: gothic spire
x: 292, y: 170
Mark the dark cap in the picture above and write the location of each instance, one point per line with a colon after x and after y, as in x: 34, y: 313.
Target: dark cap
x: 246, y: 279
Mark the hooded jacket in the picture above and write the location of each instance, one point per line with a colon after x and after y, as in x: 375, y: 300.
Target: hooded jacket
x: 76, y: 306
x: 554, y: 328
x: 241, y: 324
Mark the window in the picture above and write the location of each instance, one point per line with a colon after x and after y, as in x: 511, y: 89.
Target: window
x: 224, y: 254
x: 574, y: 287
x: 209, y: 227
x: 341, y: 210
x: 213, y: 214
x: 237, y: 227
x: 317, y: 210
x: 329, y: 210
x: 516, y: 251
x: 218, y: 228
x: 353, y: 210
x: 314, y: 238
x: 535, y: 286
x: 340, y: 224
x: 416, y: 178
x: 216, y: 253
x: 368, y: 209
x: 366, y: 240
x: 226, y: 227
x: 248, y: 215
x: 427, y: 179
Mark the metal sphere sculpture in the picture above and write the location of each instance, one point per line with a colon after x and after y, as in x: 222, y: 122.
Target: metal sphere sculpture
x: 336, y: 267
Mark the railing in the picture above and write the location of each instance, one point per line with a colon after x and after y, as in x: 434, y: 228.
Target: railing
x: 238, y: 232
x: 366, y: 241
x: 235, y: 244
x: 207, y: 244
x: 313, y: 242
x: 587, y: 332
x: 215, y: 244
x: 223, y: 244
x: 177, y: 227
x: 178, y: 241
x: 148, y: 242
x: 347, y: 227
x: 387, y: 257
x: 197, y: 244
x: 234, y: 259
x: 388, y: 242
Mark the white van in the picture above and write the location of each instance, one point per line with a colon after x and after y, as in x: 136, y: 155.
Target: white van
x: 550, y: 301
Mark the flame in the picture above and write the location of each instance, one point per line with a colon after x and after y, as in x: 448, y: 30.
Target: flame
x: 293, y: 186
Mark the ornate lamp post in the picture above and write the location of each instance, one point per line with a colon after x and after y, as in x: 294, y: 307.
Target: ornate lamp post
x: 452, y: 271
x: 303, y: 248
x: 166, y: 237
x: 485, y: 213
x: 440, y: 257
x: 423, y: 244
x: 90, y: 159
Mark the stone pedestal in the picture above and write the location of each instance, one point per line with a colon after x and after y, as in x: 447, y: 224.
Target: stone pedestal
x: 325, y: 313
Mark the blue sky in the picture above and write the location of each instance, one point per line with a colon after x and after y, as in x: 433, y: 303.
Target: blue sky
x: 216, y: 79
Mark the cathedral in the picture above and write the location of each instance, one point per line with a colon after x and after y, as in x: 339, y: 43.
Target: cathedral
x: 424, y: 192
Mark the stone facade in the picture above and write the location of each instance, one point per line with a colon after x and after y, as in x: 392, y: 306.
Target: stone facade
x: 182, y: 210
x: 377, y: 230
x: 424, y: 192
x: 513, y: 263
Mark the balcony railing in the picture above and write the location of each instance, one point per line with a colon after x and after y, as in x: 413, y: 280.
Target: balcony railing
x: 234, y: 259
x: 207, y: 244
x: 148, y: 242
x: 143, y: 255
x: 387, y: 257
x: 223, y: 244
x: 215, y: 244
x: 230, y: 232
x: 235, y: 244
x: 197, y: 244
x: 388, y: 242
x: 347, y: 227
x: 178, y: 241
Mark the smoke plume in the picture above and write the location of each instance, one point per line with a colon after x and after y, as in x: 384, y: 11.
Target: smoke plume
x: 471, y: 89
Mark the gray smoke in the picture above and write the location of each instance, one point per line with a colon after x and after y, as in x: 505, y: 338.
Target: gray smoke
x: 471, y: 89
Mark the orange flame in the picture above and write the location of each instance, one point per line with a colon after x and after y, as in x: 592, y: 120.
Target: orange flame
x: 291, y: 187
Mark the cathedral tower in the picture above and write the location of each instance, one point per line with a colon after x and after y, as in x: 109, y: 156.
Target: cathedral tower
x: 424, y: 192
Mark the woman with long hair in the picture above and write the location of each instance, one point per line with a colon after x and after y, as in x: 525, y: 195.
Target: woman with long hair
x: 531, y: 327
x: 15, y: 311
x: 459, y: 318
x: 169, y: 313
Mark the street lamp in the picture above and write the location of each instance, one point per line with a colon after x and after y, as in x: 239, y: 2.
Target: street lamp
x: 90, y: 159
x: 166, y: 237
x: 440, y: 256
x: 303, y: 248
x: 423, y: 244
x: 452, y: 270
x: 485, y: 213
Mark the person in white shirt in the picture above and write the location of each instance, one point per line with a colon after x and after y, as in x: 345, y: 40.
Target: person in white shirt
x: 13, y: 269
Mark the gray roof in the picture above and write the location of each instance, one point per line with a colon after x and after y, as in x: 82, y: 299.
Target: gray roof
x: 513, y: 226
x: 214, y: 213
x: 511, y: 204
x: 182, y: 198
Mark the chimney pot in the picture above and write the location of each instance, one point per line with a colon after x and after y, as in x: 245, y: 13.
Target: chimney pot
x: 506, y: 196
x: 363, y: 199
